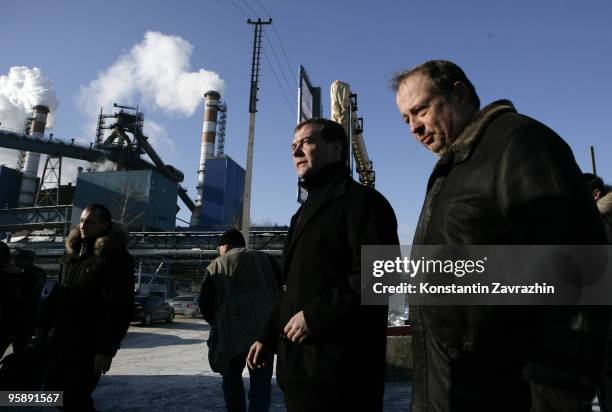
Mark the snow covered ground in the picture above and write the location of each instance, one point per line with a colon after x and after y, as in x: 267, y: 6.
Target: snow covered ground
x: 164, y: 367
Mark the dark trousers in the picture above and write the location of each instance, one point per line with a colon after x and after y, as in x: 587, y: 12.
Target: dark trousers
x: 260, y: 387
x: 305, y: 397
x: 5, y: 341
x: 19, y: 338
x: 604, y: 386
x: 73, y: 373
x: 550, y: 399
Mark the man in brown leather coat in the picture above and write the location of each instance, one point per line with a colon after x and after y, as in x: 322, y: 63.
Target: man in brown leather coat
x: 502, y: 179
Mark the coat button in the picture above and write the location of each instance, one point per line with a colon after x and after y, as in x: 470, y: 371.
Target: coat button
x: 284, y: 288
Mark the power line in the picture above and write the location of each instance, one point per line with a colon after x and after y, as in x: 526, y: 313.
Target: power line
x: 250, y: 8
x: 282, y: 71
x: 280, y: 66
x: 238, y: 8
x: 280, y: 86
x: 264, y: 9
x: 291, y: 69
x: 285, y: 53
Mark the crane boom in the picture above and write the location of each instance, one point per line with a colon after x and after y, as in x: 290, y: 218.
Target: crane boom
x: 344, y: 111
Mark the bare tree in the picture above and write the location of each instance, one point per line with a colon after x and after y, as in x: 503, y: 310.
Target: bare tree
x: 126, y: 216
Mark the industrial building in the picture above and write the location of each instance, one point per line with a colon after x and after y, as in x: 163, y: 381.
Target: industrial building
x: 10, y: 182
x: 143, y: 200
x: 223, y: 189
x: 141, y: 193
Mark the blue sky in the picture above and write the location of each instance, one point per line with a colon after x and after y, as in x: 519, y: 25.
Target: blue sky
x: 551, y: 58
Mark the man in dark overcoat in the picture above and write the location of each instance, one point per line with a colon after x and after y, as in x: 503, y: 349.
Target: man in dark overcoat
x: 331, y: 349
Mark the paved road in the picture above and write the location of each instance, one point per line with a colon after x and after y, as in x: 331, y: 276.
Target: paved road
x: 165, y: 368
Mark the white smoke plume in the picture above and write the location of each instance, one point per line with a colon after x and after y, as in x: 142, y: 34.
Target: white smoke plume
x: 21, y: 90
x: 155, y: 72
x: 105, y: 166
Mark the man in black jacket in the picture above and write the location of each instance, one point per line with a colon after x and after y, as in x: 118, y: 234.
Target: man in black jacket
x: 32, y: 280
x: 603, y: 197
x: 331, y: 350
x: 9, y: 298
x: 502, y: 179
x: 90, y: 310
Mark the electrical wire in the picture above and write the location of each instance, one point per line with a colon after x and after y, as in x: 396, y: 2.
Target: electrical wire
x: 284, y: 53
x: 278, y: 37
x: 264, y: 9
x: 282, y: 71
x: 239, y: 9
x: 250, y: 8
x: 280, y: 66
x: 291, y: 108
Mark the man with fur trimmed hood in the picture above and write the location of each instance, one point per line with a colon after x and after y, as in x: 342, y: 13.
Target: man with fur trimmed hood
x: 90, y: 310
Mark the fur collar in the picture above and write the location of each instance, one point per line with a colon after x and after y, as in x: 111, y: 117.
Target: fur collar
x: 462, y: 147
x: 604, y: 203
x: 117, y: 236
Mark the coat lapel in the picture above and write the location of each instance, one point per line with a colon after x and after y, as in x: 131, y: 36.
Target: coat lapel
x: 304, y: 216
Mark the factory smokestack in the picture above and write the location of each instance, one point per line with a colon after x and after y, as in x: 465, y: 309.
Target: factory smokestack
x: 27, y: 194
x: 209, y: 135
x: 39, y: 121
x: 207, y: 150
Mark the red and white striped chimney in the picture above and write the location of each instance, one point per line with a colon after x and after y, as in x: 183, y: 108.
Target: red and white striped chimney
x: 209, y: 134
x: 27, y: 194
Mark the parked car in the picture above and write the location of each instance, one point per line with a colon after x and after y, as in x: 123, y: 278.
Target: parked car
x: 148, y: 309
x: 186, y: 305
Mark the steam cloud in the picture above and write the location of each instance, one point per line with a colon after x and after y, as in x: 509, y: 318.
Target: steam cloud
x: 157, y: 72
x: 21, y: 90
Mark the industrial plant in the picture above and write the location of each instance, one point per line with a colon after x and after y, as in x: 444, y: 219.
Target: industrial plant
x: 36, y: 212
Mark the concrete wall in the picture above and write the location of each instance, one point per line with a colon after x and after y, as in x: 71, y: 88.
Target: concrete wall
x: 399, y: 358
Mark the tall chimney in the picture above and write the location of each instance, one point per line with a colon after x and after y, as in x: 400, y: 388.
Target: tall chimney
x: 27, y: 194
x: 207, y: 150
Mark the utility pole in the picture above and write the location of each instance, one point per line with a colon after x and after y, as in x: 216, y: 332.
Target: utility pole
x: 255, y: 66
x: 593, y: 160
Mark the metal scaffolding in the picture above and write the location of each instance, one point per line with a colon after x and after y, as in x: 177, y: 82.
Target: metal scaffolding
x: 221, y: 124
x: 49, y: 189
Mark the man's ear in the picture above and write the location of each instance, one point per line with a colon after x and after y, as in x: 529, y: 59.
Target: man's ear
x: 596, y: 194
x: 461, y: 92
x: 338, y: 149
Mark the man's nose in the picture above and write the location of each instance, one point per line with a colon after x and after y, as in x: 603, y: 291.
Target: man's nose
x: 297, y: 152
x: 417, y: 128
